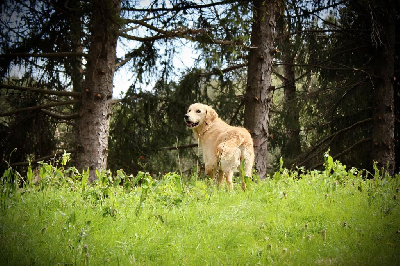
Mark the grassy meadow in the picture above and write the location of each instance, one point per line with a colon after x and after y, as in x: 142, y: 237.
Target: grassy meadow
x: 332, y: 217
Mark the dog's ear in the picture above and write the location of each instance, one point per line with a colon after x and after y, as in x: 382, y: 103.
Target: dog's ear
x: 211, y: 115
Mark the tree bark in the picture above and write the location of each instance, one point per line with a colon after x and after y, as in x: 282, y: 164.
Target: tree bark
x: 95, y: 110
x: 258, y: 96
x: 383, y: 64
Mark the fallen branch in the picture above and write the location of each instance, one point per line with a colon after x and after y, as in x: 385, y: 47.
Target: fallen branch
x: 180, y: 147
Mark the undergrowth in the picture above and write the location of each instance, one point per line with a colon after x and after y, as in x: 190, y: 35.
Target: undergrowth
x: 334, y: 216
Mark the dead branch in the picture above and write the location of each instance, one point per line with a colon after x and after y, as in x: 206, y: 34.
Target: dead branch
x: 321, y: 67
x: 236, y: 112
x: 122, y: 62
x: 60, y: 116
x: 32, y: 108
x: 164, y: 35
x: 179, y: 7
x: 344, y: 151
x: 42, y: 91
x: 216, y: 71
x: 183, y: 33
x: 332, y: 136
x: 44, y: 158
x: 147, y: 25
x: 46, y: 55
x: 319, y: 9
x: 132, y: 97
x: 179, y: 147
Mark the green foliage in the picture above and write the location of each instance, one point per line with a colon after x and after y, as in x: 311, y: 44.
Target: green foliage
x: 334, y: 216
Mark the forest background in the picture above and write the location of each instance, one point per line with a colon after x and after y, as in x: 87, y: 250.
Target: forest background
x: 303, y: 76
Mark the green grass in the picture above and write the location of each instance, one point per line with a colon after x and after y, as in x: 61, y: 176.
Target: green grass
x: 296, y: 218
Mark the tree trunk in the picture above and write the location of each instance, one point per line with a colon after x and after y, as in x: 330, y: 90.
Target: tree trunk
x: 258, y: 96
x: 383, y: 115
x: 95, y: 111
x: 396, y: 88
x: 291, y: 146
x: 383, y: 64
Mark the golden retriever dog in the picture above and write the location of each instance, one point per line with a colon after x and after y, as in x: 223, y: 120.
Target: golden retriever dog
x: 224, y: 146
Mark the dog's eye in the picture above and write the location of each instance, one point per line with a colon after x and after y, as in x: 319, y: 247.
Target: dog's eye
x: 198, y: 111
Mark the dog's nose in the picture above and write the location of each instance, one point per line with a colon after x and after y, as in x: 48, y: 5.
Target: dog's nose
x: 186, y: 117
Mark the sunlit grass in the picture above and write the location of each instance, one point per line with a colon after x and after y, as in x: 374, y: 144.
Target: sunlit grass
x: 328, y: 217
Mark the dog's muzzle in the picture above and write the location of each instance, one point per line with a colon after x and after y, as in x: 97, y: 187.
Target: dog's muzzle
x: 189, y: 123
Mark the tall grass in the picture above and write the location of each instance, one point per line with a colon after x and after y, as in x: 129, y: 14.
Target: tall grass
x: 319, y: 217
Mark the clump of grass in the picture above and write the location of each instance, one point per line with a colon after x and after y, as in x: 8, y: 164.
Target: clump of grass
x: 333, y: 216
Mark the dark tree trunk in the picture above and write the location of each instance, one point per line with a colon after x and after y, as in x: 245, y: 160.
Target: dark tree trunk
x: 291, y: 146
x: 383, y: 64
x: 74, y: 64
x: 258, y: 96
x: 95, y: 111
x: 396, y: 88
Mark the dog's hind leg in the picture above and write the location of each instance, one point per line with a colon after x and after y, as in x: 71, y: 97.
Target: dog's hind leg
x: 229, y: 159
x: 228, y: 177
x: 247, y: 156
x: 220, y: 178
x: 242, y: 175
x: 246, y: 164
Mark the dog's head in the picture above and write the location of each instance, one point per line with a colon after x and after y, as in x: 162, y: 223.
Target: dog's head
x: 199, y: 115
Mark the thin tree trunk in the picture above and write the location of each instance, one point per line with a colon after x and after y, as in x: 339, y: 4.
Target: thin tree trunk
x: 258, y: 96
x: 95, y: 111
x: 383, y: 115
x: 396, y: 88
x: 291, y: 146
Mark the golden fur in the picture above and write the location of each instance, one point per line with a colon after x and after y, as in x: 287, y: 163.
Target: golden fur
x: 224, y: 146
